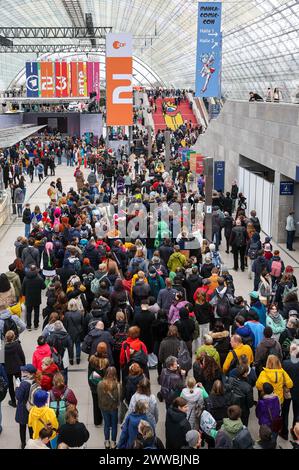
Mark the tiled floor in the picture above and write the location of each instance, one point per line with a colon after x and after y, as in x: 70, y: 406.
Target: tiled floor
x: 37, y: 194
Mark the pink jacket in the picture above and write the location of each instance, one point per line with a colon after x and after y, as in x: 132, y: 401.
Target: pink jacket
x: 174, y: 311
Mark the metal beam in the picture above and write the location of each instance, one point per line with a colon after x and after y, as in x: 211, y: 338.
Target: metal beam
x: 55, y: 33
x: 50, y: 48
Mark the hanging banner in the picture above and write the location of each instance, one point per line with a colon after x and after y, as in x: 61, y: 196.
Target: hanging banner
x: 119, y: 79
x: 219, y: 175
x: 74, y: 78
x: 58, y: 79
x: 209, y: 48
x: 47, y: 79
x: 82, y: 79
x: 64, y: 80
x: 32, y: 80
x: 90, y: 77
x: 96, y: 78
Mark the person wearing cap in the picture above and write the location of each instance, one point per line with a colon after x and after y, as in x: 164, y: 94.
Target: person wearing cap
x: 41, y: 416
x: 268, y: 252
x: 291, y: 230
x: 22, y: 394
x: 259, y: 308
x: 193, y: 439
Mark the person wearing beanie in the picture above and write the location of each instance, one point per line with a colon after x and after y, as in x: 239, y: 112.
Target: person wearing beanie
x: 41, y: 416
x: 193, y: 439
x: 259, y: 308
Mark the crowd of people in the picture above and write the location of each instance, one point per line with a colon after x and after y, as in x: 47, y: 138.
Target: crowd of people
x: 143, y: 301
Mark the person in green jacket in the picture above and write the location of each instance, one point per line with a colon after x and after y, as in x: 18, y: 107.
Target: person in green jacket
x: 176, y: 260
x: 209, y: 349
x: 155, y: 282
x: 162, y: 232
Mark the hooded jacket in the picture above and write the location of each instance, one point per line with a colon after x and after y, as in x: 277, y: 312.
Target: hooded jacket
x: 176, y: 260
x: 30, y: 255
x: 193, y: 282
x: 166, y: 297
x: 258, y: 331
x: 259, y: 264
x: 174, y: 311
x: 39, y: 354
x: 134, y: 344
x: 47, y: 376
x: 264, y: 346
x: 14, y: 279
x: 267, y: 409
x: 4, y: 315
x: 141, y: 291
x: 145, y: 319
x: 203, y: 313
x: 277, y: 378
x: 232, y: 427
x: 38, y: 416
x: 130, y: 430
x: 93, y: 255
x: 32, y: 287
x: 260, y: 310
x: 221, y: 342
x: 93, y: 338
x: 185, y: 326
x: 217, y: 405
x: 131, y: 386
x: 156, y: 283
x: 210, y: 351
x: 243, y: 392
x: 14, y: 357
x: 177, y: 427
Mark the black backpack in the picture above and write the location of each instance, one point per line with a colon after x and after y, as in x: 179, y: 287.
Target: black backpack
x: 10, y: 325
x: 239, y: 238
x: 87, y: 279
x: 138, y: 356
x: 253, y: 251
x: 243, y: 440
x: 223, y: 307
x: 234, y: 363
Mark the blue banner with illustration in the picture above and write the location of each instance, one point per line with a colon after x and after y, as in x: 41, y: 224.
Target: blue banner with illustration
x: 219, y: 175
x: 209, y: 50
x: 32, y: 81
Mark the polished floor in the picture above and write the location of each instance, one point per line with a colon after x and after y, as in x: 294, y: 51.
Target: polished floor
x: 9, y: 439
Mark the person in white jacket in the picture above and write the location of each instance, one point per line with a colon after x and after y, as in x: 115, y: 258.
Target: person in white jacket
x: 195, y: 394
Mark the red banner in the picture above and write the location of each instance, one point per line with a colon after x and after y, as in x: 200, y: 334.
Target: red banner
x: 74, y: 78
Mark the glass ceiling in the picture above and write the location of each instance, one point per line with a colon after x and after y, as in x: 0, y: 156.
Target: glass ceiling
x: 260, y: 39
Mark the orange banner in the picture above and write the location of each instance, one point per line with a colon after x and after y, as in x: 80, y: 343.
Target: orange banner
x: 119, y: 80
x: 47, y: 79
x: 82, y: 79
x: 74, y: 78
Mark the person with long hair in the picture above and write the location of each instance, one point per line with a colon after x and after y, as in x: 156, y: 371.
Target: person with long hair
x: 109, y: 398
x: 73, y: 433
x: 14, y: 359
x: 97, y: 366
x: 143, y: 392
x: 275, y: 375
x: 49, y: 270
x: 218, y: 401
x: 194, y: 394
x: 206, y: 371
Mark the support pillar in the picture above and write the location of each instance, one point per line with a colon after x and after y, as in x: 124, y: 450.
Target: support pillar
x: 208, y: 171
x: 167, y: 150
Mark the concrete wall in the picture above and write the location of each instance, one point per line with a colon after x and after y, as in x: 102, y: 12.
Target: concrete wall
x: 10, y: 120
x: 267, y: 133
x: 91, y: 123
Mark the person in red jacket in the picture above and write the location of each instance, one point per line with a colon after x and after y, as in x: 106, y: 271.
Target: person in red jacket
x: 49, y: 369
x: 42, y: 350
x: 129, y: 349
x: 206, y: 289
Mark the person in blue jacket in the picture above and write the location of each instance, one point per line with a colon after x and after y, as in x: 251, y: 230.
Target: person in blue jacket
x: 256, y: 305
x: 129, y: 430
x: 256, y: 327
x: 22, y: 395
x: 4, y: 380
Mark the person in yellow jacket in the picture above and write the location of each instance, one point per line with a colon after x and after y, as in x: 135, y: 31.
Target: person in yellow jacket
x: 239, y: 349
x: 41, y: 416
x: 275, y: 375
x: 176, y: 260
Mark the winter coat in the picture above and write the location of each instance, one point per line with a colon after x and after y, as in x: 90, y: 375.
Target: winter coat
x: 141, y: 291
x: 258, y: 331
x: 221, y: 342
x: 47, y: 376
x: 246, y: 334
x: 26, y: 218
x: 199, y: 376
x: 156, y: 284
x: 264, y: 346
x: 267, y: 409
x: 176, y: 260
x: 135, y: 344
x: 93, y: 255
x: 228, y: 225
x: 14, y: 279
x: 193, y: 282
x: 108, y: 401
x: 203, y: 313
x: 93, y: 338
x: 153, y: 412
x: 243, y: 393
x: 217, y: 405
x: 277, y: 327
x: 130, y: 430
x: 232, y: 427
x: 233, y: 237
x: 7, y: 298
x: 32, y: 287
x: 197, y: 395
x: 73, y: 323
x: 22, y: 395
x: 14, y: 357
x: 292, y: 369
x: 73, y: 435
x: 4, y: 315
x: 177, y: 427
x: 30, y: 255
x: 259, y: 264
x: 165, y: 252
x: 166, y: 298
x: 39, y: 416
x: 67, y: 393
x: 174, y: 311
x: 206, y: 270
x: 39, y: 354
x: 131, y: 386
x: 277, y: 378
x: 144, y: 319
x: 239, y: 350
x: 260, y: 310
x: 185, y: 326
x: 168, y: 347
x: 210, y: 351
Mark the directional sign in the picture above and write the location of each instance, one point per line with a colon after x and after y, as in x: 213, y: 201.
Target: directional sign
x: 286, y: 188
x: 209, y: 46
